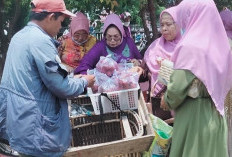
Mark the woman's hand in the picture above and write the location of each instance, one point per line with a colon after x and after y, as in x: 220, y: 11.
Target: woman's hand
x: 135, y: 62
x: 159, y: 60
x: 170, y: 120
x: 90, y: 79
x: 78, y: 76
x: 137, y: 69
x: 163, y: 105
x: 149, y: 107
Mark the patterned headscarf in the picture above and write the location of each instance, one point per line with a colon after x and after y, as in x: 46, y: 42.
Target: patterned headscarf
x: 124, y: 15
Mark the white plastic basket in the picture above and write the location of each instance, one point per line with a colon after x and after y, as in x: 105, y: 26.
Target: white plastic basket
x: 125, y: 99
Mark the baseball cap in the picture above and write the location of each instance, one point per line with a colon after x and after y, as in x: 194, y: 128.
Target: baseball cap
x: 50, y: 6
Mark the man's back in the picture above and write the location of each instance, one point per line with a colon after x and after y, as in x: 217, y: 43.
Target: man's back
x: 32, y: 108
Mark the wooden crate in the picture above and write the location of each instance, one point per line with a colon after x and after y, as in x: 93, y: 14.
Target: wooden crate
x: 134, y: 154
x: 121, y: 148
x: 81, y: 99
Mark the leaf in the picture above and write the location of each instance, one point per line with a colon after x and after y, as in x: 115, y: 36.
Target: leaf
x: 114, y: 4
x: 108, y: 2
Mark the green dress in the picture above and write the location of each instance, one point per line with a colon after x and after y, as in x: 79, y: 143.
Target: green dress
x: 199, y: 130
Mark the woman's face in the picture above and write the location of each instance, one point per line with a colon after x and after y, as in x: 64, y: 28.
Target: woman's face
x: 80, y: 36
x: 127, y: 19
x: 113, y: 37
x: 168, y: 27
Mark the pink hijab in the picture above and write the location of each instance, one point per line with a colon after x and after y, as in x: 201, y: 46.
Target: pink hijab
x: 204, y: 48
x: 79, y: 22
x: 160, y: 48
x: 226, y: 16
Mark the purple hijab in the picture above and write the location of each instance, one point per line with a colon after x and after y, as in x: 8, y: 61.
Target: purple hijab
x: 113, y: 19
x: 204, y: 48
x: 226, y: 16
x: 102, y: 49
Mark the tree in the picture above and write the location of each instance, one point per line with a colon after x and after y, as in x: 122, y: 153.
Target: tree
x: 14, y: 15
x: 12, y: 19
x: 153, y: 9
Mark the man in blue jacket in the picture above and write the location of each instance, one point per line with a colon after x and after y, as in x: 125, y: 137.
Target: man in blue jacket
x: 33, y: 108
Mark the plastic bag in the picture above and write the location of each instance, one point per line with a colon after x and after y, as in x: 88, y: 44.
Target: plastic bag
x: 100, y: 78
x: 123, y: 65
x: 127, y: 80
x: 108, y: 86
x: 107, y: 65
x: 111, y: 76
x: 162, y: 140
x: 79, y: 110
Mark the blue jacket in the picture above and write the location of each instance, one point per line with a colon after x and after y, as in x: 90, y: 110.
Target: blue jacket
x: 33, y: 108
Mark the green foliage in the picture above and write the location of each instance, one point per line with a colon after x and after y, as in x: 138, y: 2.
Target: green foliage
x: 25, y: 12
x: 94, y: 11
x: 93, y: 8
x: 9, y: 13
x: 13, y: 21
x: 131, y: 6
x: 159, y: 10
x: 223, y: 3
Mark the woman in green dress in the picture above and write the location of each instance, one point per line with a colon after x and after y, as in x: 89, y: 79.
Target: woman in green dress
x: 200, y: 82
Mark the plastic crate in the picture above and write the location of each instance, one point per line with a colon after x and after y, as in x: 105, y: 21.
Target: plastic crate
x: 124, y: 99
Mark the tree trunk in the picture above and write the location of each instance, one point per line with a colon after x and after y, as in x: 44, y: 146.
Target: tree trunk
x: 3, y: 38
x: 143, y: 18
x: 177, y: 2
x: 151, y: 9
x: 13, y: 23
x: 1, y: 17
x: 11, y: 30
